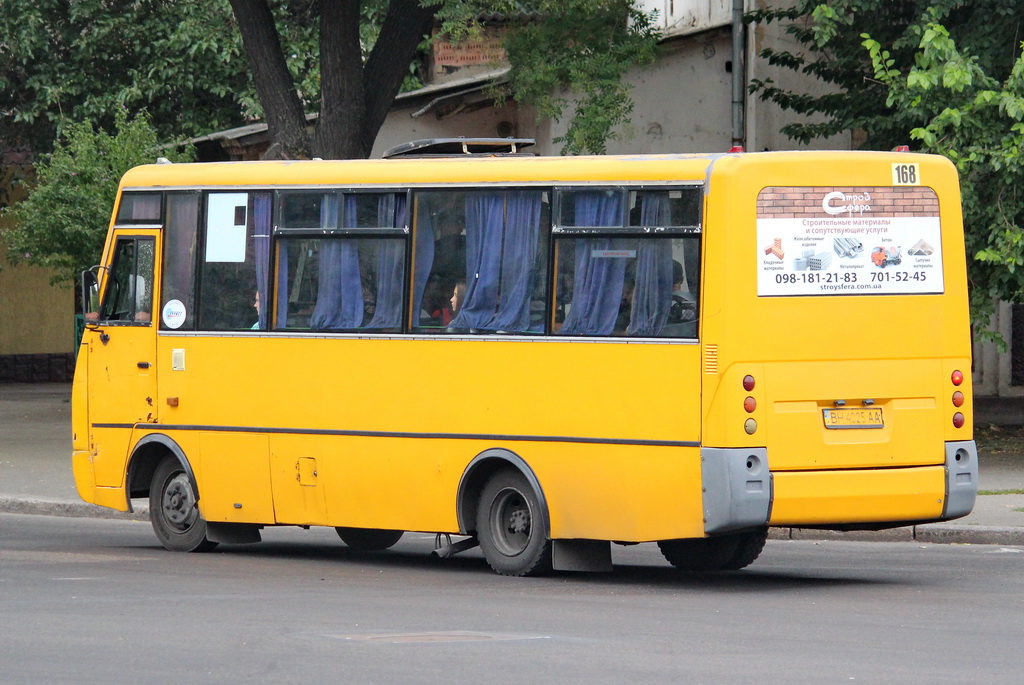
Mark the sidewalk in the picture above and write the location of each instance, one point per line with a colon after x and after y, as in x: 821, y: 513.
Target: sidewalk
x: 35, y: 471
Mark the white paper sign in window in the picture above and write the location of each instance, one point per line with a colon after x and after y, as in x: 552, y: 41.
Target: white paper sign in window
x: 226, y: 218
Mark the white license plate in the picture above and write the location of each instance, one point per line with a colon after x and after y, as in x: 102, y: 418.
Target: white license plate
x: 853, y: 417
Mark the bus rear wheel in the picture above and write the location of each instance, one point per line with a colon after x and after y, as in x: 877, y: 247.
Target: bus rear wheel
x: 368, y: 539
x: 510, y: 525
x: 174, y: 509
x: 722, y: 553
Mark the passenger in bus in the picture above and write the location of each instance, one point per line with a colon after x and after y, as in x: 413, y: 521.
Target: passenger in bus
x: 435, y: 310
x: 458, y: 295
x: 256, y: 306
x: 457, y: 300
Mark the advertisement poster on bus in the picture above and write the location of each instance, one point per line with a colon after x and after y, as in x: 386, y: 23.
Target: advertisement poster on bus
x: 848, y: 241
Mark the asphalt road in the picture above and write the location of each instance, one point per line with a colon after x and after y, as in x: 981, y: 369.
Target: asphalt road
x: 97, y: 601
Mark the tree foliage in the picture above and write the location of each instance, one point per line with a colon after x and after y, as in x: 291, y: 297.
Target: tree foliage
x: 946, y: 75
x: 829, y: 36
x: 63, y: 222
x: 84, y: 60
x: 977, y: 121
x: 201, y: 66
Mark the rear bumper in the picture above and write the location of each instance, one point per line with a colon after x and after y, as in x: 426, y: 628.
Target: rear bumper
x: 877, y: 496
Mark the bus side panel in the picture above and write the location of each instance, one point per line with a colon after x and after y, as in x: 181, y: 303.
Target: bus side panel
x: 378, y: 433
x: 656, y: 497
x: 235, y: 478
x: 602, y: 492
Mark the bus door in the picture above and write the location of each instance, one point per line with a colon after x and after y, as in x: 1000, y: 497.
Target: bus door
x: 122, y: 353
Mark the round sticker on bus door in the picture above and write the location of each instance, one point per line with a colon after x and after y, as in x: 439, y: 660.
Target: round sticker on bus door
x: 174, y: 313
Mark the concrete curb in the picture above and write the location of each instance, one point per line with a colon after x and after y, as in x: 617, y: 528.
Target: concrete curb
x: 936, y: 533
x: 51, y: 507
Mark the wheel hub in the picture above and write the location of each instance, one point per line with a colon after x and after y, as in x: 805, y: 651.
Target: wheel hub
x: 178, y: 504
x: 519, y: 523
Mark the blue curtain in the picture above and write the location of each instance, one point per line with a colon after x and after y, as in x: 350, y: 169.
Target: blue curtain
x: 261, y: 238
x: 339, y: 301
x: 485, y: 219
x: 598, y: 279
x: 652, y: 292
x: 519, y: 260
x: 502, y: 239
x: 282, y: 284
x: 424, y: 256
x: 392, y: 210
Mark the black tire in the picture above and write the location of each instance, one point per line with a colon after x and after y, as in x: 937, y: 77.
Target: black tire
x: 368, y: 539
x: 174, y: 509
x: 700, y: 554
x: 511, y: 526
x: 748, y: 549
x: 722, y: 553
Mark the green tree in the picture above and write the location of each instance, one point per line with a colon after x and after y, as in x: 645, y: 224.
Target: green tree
x: 830, y: 49
x: 84, y: 60
x: 63, y: 222
x: 945, y: 75
x: 579, y: 45
x: 344, y: 60
x: 977, y: 121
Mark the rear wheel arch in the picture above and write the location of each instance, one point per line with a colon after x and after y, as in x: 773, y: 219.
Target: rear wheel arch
x: 475, y: 477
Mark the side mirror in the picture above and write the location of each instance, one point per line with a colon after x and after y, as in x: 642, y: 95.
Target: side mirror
x: 91, y: 296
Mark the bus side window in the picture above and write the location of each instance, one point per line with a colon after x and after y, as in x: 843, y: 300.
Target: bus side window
x: 480, y: 264
x: 234, y: 267
x: 129, y: 294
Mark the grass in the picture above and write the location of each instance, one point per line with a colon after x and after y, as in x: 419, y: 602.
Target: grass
x: 996, y: 439
x: 1018, y: 491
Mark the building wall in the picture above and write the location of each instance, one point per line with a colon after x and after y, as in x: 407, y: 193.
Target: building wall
x: 683, y: 102
x: 37, y: 326
x: 409, y: 122
x: 998, y: 370
x: 764, y: 120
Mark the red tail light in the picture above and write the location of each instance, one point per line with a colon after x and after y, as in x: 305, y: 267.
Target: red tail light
x: 958, y: 399
x: 957, y: 378
x: 958, y: 420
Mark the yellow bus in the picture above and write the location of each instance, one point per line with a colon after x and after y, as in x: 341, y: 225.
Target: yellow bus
x: 544, y: 356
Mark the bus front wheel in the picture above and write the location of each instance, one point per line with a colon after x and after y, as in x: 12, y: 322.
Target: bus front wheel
x: 510, y: 526
x: 174, y: 509
x: 722, y: 553
x: 368, y: 539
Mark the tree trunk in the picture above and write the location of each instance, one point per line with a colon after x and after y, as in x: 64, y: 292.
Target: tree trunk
x: 354, y: 98
x: 282, y: 108
x: 405, y: 25
x: 340, y: 126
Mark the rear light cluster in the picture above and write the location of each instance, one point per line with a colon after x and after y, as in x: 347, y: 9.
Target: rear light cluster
x: 958, y: 399
x: 749, y: 405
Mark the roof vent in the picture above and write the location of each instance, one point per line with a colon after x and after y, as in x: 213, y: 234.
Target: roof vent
x: 457, y: 147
